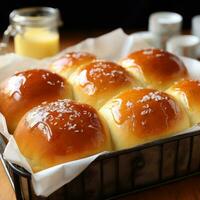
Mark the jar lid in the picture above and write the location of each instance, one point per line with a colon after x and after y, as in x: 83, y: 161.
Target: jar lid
x: 163, y: 22
x: 36, y: 17
x: 184, y: 45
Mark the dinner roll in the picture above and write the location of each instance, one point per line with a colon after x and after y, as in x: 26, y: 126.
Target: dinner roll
x: 68, y: 63
x: 27, y: 89
x: 140, y: 115
x: 60, y: 131
x: 155, y: 68
x: 188, y: 93
x: 98, y: 81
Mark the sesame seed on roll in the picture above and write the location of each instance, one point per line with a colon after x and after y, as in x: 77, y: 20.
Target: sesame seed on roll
x: 27, y: 89
x: 69, y: 62
x: 155, y: 68
x: 99, y: 81
x: 60, y: 131
x: 187, y: 92
x: 138, y: 116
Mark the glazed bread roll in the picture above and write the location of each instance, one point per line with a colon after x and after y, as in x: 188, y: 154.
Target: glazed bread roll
x: 27, y: 89
x: 155, y: 68
x: 60, y: 131
x: 187, y: 92
x: 98, y: 81
x: 140, y: 115
x: 68, y: 63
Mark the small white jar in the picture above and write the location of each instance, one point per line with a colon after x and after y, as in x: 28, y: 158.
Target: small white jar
x: 165, y: 25
x: 184, y: 45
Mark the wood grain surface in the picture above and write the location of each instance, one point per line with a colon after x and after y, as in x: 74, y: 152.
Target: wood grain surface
x: 6, y: 190
x: 188, y: 189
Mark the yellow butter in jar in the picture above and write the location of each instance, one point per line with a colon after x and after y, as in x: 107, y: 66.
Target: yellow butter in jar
x: 36, y: 32
x: 37, y: 43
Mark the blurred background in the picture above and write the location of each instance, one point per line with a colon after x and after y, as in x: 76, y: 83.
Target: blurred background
x: 107, y: 15
x: 84, y: 19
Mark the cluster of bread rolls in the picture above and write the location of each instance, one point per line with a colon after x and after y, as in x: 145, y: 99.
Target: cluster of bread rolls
x: 81, y: 105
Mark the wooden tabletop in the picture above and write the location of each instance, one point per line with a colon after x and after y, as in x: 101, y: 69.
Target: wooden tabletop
x: 188, y: 189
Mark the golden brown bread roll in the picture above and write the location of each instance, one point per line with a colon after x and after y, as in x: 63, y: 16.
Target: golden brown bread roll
x: 27, y: 89
x: 140, y: 115
x: 98, y: 81
x: 60, y: 131
x: 68, y: 63
x: 155, y: 68
x: 187, y: 92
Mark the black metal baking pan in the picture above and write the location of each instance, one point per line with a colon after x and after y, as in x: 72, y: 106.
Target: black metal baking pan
x: 122, y: 172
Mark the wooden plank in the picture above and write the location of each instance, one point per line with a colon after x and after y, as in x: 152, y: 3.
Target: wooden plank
x: 6, y: 190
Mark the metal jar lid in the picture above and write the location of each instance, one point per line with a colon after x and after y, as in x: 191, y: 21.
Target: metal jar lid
x: 35, y: 17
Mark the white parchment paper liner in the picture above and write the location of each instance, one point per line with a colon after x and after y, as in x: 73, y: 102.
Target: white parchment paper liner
x: 111, y: 46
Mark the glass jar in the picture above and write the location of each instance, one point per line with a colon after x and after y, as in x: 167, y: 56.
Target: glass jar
x: 35, y: 31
